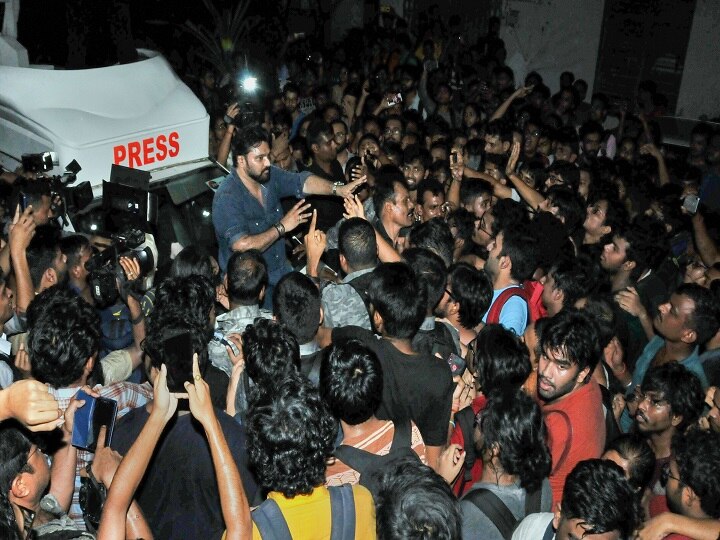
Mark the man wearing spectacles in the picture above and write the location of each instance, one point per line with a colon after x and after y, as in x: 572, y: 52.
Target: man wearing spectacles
x: 692, y: 487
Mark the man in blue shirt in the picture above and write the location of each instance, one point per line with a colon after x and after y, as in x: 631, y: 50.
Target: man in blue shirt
x: 246, y: 209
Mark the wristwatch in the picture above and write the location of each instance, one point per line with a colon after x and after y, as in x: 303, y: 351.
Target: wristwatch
x: 335, y: 186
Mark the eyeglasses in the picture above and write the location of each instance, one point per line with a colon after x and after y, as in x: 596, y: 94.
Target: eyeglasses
x: 665, y: 475
x: 452, y: 297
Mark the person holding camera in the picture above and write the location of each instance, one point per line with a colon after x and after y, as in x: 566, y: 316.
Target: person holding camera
x: 247, y: 213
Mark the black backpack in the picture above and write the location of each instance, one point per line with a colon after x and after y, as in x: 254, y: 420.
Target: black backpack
x: 497, y: 512
x: 369, y: 464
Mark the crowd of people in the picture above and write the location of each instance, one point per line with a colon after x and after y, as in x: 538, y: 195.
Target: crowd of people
x: 444, y: 304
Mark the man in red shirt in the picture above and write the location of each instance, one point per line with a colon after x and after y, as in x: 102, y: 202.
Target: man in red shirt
x: 571, y: 400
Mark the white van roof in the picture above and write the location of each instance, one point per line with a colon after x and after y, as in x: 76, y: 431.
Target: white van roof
x: 139, y: 115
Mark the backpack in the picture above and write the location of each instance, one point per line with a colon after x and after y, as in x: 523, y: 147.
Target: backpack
x: 369, y: 464
x: 497, y: 512
x: 493, y: 316
x: 465, y: 420
x: 272, y: 525
x: 439, y: 340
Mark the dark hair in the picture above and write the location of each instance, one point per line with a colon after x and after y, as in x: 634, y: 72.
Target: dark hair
x: 351, y: 382
x: 501, y: 362
x: 647, y: 242
x: 634, y: 448
x: 182, y: 305
x: 15, y: 445
x: 179, y: 367
x: 385, y: 188
x: 590, y: 127
x: 399, y: 299
x: 705, y: 318
x: 192, y: 260
x: 429, y: 185
x: 72, y: 245
x: 271, y: 353
x: 569, y: 205
x: 290, y: 433
x: 472, y: 289
x: 247, y: 275
x: 597, y: 493
x: 190, y: 299
x: 62, y: 339
x: 509, y: 215
x: 680, y: 387
x: 698, y: 459
x: 315, y: 131
x: 474, y: 188
x: 290, y: 87
x: 34, y: 192
x: 247, y: 138
x: 567, y: 137
x: 521, y: 246
x: 499, y: 128
x: 414, y: 503
x: 430, y: 271
x: 41, y: 252
x: 357, y: 243
x: 415, y: 152
x: 513, y: 421
x: 569, y: 278
x: 434, y: 235
x: 296, y: 305
x: 575, y: 333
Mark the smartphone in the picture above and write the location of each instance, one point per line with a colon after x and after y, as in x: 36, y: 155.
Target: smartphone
x: 690, y: 203
x: 89, y: 418
x: 220, y: 338
x: 394, y: 100
x: 178, y: 350
x: 457, y: 365
x: 453, y: 157
x: 22, y: 201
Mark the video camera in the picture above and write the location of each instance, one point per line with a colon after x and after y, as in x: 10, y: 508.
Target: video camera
x: 107, y: 276
x: 62, y: 196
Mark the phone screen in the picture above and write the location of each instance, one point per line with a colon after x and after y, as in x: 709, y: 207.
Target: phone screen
x: 178, y: 351
x: 457, y: 365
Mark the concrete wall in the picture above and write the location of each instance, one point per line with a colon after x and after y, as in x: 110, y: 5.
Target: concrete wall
x: 552, y: 36
x: 700, y: 86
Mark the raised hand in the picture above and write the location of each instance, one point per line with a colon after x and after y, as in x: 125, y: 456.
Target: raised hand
x: 199, y: 395
x: 354, y: 208
x: 164, y: 402
x: 297, y: 215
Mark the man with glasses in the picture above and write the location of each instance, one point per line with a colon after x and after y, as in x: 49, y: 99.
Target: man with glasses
x: 692, y: 489
x: 669, y: 400
x: 342, y: 139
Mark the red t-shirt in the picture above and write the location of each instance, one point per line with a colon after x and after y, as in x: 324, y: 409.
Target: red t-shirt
x: 658, y: 505
x: 576, y: 435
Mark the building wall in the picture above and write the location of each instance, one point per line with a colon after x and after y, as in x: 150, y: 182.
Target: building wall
x: 700, y: 86
x: 552, y: 36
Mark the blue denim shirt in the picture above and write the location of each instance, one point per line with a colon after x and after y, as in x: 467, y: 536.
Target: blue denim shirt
x: 236, y: 213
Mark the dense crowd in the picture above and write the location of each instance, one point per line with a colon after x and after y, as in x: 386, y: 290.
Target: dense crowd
x: 443, y: 304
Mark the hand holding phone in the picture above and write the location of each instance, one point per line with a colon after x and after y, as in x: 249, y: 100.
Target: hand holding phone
x: 94, y: 414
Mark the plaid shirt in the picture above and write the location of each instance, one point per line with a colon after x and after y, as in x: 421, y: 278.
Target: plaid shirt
x: 128, y: 396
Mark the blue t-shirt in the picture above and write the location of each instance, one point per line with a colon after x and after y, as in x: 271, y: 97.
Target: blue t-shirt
x: 236, y: 213
x: 514, y: 314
